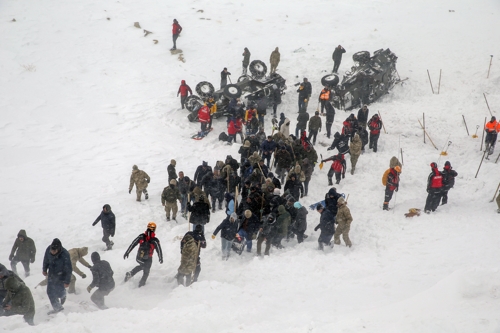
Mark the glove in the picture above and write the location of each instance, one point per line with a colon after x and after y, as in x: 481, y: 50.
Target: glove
x: 89, y: 288
x: 316, y: 229
x: 129, y: 191
x: 397, y: 188
x: 161, y: 261
x: 32, y: 260
x: 84, y: 276
x: 343, y: 175
x: 11, y: 257
x: 329, y: 148
x: 125, y: 256
x: 149, y: 180
x: 213, y: 236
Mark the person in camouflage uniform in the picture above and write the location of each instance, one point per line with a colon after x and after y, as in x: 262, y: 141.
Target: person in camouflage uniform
x: 355, y: 149
x: 23, y: 251
x: 189, y: 258
x: 274, y: 60
x: 141, y: 181
x: 343, y: 220
x: 314, y: 127
x: 76, y: 255
x: 169, y: 199
x: 311, y: 155
x: 172, y: 174
x: 19, y: 300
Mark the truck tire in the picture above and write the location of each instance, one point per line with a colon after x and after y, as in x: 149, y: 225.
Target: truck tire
x: 232, y: 91
x: 330, y: 80
x: 193, y: 103
x: 244, y: 77
x: 361, y: 57
x: 204, y: 89
x: 258, y: 69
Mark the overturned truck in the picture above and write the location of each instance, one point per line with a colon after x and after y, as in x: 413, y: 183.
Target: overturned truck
x: 251, y: 87
x: 370, y: 78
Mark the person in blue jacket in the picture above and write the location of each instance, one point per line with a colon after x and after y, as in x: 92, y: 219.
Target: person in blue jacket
x: 57, y: 267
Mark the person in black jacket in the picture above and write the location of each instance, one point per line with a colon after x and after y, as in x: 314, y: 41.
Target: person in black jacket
x: 276, y: 99
x: 199, y: 238
x: 294, y: 185
x: 200, y: 212
x: 267, y: 233
x: 308, y: 88
x: 268, y: 147
x: 216, y: 188
x: 108, y: 224
x: 448, y: 181
x: 223, y: 77
x: 229, y: 228
x: 302, y: 120
x: 303, y: 97
x: 248, y: 227
x: 299, y: 227
x: 148, y: 243
x: 57, y: 267
x: 327, y: 226
x: 276, y: 181
x: 337, y: 58
x: 363, y: 116
x: 102, y: 278
x: 363, y: 135
x: 331, y: 200
x: 375, y: 125
x: 341, y: 142
x: 201, y: 171
x: 330, y: 116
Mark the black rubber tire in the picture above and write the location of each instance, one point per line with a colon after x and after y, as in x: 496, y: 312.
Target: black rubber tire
x: 204, y: 89
x: 361, y: 57
x: 258, y: 69
x: 193, y: 103
x: 330, y: 80
x: 244, y: 77
x: 232, y: 91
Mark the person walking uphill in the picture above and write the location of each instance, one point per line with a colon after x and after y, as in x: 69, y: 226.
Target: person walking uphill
x: 108, y: 223
x: 375, y: 124
x: 355, y: 151
x: 228, y: 228
x: 141, y: 181
x: 274, y: 60
x: 223, y: 77
x: 246, y: 61
x: 327, y: 226
x: 337, y: 58
x: 391, y: 179
x: 19, y: 300
x: 184, y: 89
x: 102, y: 278
x: 448, y: 181
x: 23, y: 251
x: 204, y: 118
x: 434, y: 189
x: 76, y: 255
x: 324, y: 98
x: 189, y: 257
x: 314, y: 127
x: 200, y: 212
x: 302, y: 120
x: 57, y: 267
x: 148, y: 243
x: 343, y: 220
x: 303, y: 96
x: 169, y: 199
x: 172, y: 174
x: 176, y: 31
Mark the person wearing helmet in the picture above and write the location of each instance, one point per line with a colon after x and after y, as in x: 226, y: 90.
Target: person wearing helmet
x: 327, y: 226
x: 434, y: 189
x: 184, y: 89
x: 391, y: 185
x: 141, y: 181
x: 108, y: 223
x: 169, y: 199
x: 148, y: 243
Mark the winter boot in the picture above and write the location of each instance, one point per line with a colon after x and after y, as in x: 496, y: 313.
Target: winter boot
x: 55, y: 311
x: 338, y: 181
x: 213, y: 210
x: 168, y: 218
x: 320, y: 246
x: 128, y: 276
x: 386, y: 206
x: 174, y: 218
x: 498, y: 210
x: 330, y: 183
x: 220, y: 206
x: 63, y: 300
x: 352, y: 170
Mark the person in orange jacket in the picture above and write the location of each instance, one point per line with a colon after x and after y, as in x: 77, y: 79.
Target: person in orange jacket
x: 492, y: 128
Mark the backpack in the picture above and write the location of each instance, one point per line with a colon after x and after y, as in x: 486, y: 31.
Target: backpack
x: 223, y: 136
x: 385, y: 175
x: 143, y: 251
x: 337, y: 166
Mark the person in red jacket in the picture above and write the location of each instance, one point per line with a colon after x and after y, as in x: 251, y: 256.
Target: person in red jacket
x: 434, y: 189
x: 176, y: 30
x: 232, y: 129
x: 338, y: 168
x: 375, y: 124
x: 204, y: 117
x: 184, y: 89
x: 392, y: 185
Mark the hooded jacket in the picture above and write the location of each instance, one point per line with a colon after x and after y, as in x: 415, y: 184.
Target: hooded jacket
x: 343, y: 217
x: 20, y: 298
x: 189, y: 255
x: 102, y: 274
x: 57, y: 266
x: 184, y: 89
x: 285, y: 128
x: 107, y: 219
x: 23, y: 250
x: 140, y: 179
x: 76, y: 255
x: 228, y: 229
x: 356, y: 144
x: 275, y: 57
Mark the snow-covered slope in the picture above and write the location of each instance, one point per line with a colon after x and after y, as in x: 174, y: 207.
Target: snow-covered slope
x: 85, y: 96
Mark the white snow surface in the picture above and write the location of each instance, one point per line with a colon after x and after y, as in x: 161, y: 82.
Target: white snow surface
x: 83, y: 98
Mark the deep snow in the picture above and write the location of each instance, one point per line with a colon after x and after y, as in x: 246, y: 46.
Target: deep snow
x: 84, y: 98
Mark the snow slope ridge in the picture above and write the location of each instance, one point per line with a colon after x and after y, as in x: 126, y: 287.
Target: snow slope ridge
x: 85, y: 96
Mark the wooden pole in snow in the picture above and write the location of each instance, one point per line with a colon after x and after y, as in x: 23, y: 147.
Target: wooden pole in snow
x: 439, y: 84
x: 491, y: 60
x: 430, y: 81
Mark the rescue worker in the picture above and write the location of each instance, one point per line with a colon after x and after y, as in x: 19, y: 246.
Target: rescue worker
x: 107, y: 218
x: 391, y: 185
x: 19, y: 300
x: 76, y: 255
x: 148, y: 243
x: 184, y: 89
x: 189, y: 255
x: 23, y: 251
x: 176, y: 30
x: 337, y: 58
x: 274, y: 60
x: 324, y: 98
x: 57, y: 267
x: 343, y: 220
x: 204, y: 118
x: 434, y: 189
x: 314, y: 127
x: 448, y: 181
x: 374, y: 125
x: 141, y: 181
x: 223, y: 77
x: 246, y: 61
x: 102, y: 278
x: 338, y: 168
x: 355, y: 151
x: 169, y: 199
x: 492, y: 128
